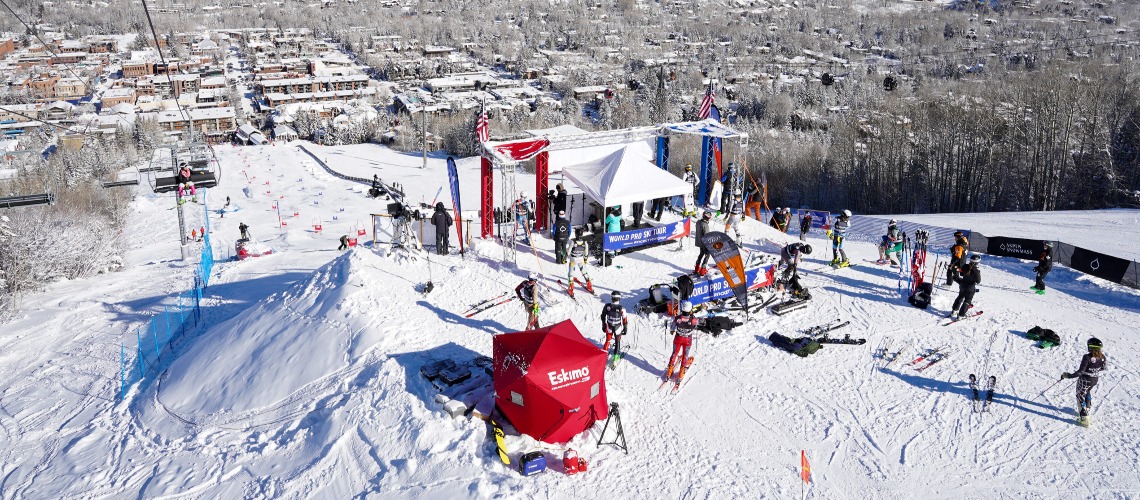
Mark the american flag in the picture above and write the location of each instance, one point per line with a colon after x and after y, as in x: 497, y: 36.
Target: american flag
x: 482, y: 130
x: 707, y: 102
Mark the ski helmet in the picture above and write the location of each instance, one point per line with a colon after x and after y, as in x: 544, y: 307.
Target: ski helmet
x: 787, y: 210
x: 615, y: 296
x: 686, y: 307
x: 958, y: 234
x: 1048, y: 244
x: 847, y: 213
x: 975, y: 258
x: 1095, y: 344
x: 688, y: 167
x: 707, y: 214
x: 778, y: 209
x: 807, y: 249
x: 894, y: 221
x: 522, y: 196
x: 562, y: 213
x: 532, y: 277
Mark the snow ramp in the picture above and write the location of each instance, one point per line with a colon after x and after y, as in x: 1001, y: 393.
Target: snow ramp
x: 312, y: 330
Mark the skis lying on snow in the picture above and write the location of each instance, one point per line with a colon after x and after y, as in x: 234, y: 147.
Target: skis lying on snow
x: 934, y: 359
x: 818, y: 330
x: 928, y: 353
x: 951, y: 321
x: 845, y: 340
x: 788, y: 306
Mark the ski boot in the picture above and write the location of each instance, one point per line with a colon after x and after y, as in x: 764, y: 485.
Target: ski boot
x: 668, y: 372
x: 684, y: 367
x: 589, y: 285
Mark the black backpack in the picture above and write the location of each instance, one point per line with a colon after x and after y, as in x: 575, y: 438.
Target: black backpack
x: 1044, y: 335
x: 921, y: 297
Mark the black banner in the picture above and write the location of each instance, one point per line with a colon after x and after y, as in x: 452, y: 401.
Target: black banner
x: 1015, y: 247
x: 1098, y: 264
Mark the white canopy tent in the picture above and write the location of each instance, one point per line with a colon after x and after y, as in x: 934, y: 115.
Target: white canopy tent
x: 624, y: 177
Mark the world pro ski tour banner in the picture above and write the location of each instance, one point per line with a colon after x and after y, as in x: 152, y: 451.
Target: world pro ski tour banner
x: 716, y: 288
x: 453, y: 178
x: 646, y: 236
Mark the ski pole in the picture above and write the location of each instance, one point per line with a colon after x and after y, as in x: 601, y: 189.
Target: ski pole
x: 1034, y: 400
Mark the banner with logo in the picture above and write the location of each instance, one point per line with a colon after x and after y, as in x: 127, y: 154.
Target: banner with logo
x: 453, y: 178
x: 716, y: 288
x: 1015, y: 247
x: 726, y: 254
x: 819, y: 220
x: 646, y: 236
x: 1098, y: 264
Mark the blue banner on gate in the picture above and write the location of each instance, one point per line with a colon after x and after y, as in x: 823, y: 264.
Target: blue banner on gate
x: 717, y: 288
x: 646, y: 236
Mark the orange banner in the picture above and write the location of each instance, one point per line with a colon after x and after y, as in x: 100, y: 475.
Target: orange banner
x: 805, y: 469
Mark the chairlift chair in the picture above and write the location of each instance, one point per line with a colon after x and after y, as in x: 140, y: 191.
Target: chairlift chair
x: 27, y: 200
x: 204, y: 169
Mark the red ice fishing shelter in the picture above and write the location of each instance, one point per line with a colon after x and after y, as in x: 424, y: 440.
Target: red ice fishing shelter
x: 550, y: 382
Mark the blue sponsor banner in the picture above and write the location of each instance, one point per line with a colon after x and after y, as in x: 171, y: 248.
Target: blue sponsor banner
x: 645, y: 236
x: 717, y: 288
x: 819, y: 219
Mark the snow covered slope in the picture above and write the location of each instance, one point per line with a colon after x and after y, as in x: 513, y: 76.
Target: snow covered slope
x: 304, y: 380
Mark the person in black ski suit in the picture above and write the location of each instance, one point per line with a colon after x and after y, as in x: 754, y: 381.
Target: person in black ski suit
x: 658, y: 208
x: 244, y: 230
x: 1087, y: 376
x: 958, y: 254
x: 343, y: 242
x: 560, y: 198
x: 805, y: 226
x: 638, y: 209
x: 702, y: 228
x: 1044, y: 265
x: 561, y: 237
x: 790, y: 257
x: 527, y: 293
x: 442, y: 222
x: 968, y: 280
x: 614, y: 320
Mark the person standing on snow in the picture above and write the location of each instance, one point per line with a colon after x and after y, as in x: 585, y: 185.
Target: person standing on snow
x: 682, y: 328
x: 579, y: 254
x: 527, y: 292
x: 805, y: 225
x: 887, y: 247
x: 613, y: 320
x: 703, y: 256
x: 968, y: 281
x: 613, y: 225
x: 838, y: 233
x: 690, y: 199
x: 1087, y: 375
x: 244, y: 230
x: 958, y: 253
x: 779, y: 220
x: 1044, y: 265
x: 561, y: 237
x: 522, y: 217
x: 752, y: 202
x: 343, y: 243
x: 442, y: 222
x: 560, y: 197
x: 735, y: 214
x: 730, y: 185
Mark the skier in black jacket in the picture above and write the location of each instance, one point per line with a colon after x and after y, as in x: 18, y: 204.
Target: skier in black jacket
x: 703, y: 257
x: 561, y: 237
x: 968, y: 281
x: 442, y: 222
x: 1044, y: 265
x: 1087, y: 376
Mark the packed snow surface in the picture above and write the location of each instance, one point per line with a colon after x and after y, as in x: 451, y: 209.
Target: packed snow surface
x: 303, y: 379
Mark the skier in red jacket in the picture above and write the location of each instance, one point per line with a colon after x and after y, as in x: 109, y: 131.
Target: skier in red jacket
x: 683, y: 328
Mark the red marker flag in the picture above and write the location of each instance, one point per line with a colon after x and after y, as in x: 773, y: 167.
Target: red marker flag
x: 805, y: 469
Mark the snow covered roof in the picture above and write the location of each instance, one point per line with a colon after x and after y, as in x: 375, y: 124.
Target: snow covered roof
x: 625, y: 176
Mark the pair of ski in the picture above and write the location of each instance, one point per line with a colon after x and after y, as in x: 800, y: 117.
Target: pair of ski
x: 981, y: 405
x: 951, y: 321
x: 570, y: 288
x: 489, y: 303
x: 930, y: 358
x: 681, y: 380
x: 819, y: 334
